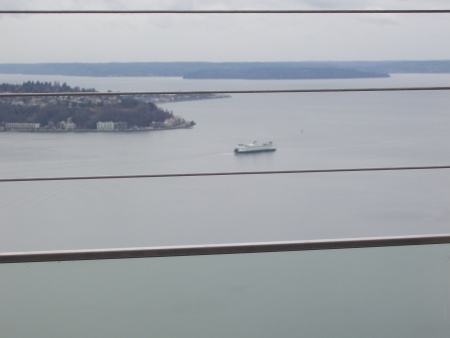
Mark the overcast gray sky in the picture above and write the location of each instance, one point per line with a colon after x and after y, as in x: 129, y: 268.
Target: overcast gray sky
x: 217, y: 38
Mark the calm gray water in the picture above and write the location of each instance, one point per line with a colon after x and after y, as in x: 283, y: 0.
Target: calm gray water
x: 312, y: 131
x: 391, y: 292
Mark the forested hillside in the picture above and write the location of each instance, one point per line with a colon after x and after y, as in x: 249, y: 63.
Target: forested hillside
x: 85, y: 112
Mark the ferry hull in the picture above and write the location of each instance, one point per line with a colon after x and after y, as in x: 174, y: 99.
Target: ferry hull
x: 237, y: 151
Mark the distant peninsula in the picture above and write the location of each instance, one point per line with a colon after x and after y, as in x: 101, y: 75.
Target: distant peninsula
x: 235, y: 70
x: 81, y: 113
x: 283, y: 73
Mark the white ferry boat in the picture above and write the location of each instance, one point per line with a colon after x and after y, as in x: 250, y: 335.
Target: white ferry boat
x: 255, y: 147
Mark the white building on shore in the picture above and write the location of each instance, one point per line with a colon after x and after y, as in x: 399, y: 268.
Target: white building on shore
x: 22, y: 126
x: 109, y: 126
x: 105, y: 126
x: 67, y: 125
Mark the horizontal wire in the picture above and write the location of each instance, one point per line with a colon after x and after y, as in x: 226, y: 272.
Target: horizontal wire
x: 356, y: 11
x: 198, y: 92
x: 233, y: 173
x: 222, y: 249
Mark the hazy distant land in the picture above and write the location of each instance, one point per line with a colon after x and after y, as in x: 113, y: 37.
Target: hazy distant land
x: 234, y: 70
x: 66, y: 113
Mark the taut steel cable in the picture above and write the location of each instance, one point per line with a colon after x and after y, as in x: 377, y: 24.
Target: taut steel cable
x: 353, y: 11
x: 233, y: 173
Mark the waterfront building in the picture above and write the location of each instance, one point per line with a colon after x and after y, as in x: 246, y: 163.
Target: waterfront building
x: 22, y: 126
x: 67, y: 125
x: 105, y: 126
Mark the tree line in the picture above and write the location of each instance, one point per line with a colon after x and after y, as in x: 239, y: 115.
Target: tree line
x: 41, y: 87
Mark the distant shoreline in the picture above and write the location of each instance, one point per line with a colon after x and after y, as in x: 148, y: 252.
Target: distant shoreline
x: 95, y: 130
x: 234, y: 70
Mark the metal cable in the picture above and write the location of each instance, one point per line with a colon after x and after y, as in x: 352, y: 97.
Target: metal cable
x: 199, y: 92
x: 356, y: 11
x: 222, y: 249
x: 233, y: 173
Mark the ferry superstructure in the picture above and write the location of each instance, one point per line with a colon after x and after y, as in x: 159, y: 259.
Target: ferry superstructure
x: 255, y: 146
